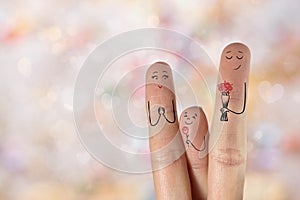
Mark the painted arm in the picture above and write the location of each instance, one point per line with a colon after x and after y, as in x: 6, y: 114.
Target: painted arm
x: 174, y: 114
x: 245, y: 97
x: 204, y: 141
x: 150, y: 116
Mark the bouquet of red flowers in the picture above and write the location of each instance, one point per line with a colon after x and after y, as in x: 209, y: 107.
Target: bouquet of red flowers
x: 225, y: 89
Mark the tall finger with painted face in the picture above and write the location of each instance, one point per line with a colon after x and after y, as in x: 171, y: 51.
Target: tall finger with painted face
x: 168, y: 160
x: 194, y: 131
x: 227, y: 156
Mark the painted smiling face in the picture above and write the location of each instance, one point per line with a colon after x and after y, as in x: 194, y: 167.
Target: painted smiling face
x: 189, y: 121
x: 193, y: 127
x: 235, y: 56
x: 189, y: 118
x: 159, y: 77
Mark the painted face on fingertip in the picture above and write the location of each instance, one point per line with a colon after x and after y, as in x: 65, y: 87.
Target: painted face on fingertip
x: 159, y: 77
x: 235, y: 58
x: 189, y: 120
x: 193, y: 127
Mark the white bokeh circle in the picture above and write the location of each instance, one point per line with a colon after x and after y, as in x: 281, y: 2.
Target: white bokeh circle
x: 105, y: 90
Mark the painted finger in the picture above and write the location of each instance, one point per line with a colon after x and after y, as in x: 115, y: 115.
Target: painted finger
x: 168, y: 160
x: 194, y: 128
x: 227, y: 156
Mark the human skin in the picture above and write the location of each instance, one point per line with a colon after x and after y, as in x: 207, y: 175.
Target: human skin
x: 215, y: 171
x: 171, y: 182
x: 194, y: 130
x: 227, y: 156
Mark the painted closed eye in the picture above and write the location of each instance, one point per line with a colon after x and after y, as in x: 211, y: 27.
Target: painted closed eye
x: 165, y: 76
x: 228, y: 57
x: 154, y: 77
x: 239, y: 57
x: 185, y: 114
x: 194, y: 117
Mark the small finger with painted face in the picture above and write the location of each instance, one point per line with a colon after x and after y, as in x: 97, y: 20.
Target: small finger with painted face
x: 194, y: 131
x: 167, y: 149
x: 227, y: 156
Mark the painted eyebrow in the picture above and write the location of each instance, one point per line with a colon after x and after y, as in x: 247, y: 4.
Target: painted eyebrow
x: 240, y: 51
x: 196, y: 114
x: 228, y: 52
x: 165, y: 71
x: 155, y: 72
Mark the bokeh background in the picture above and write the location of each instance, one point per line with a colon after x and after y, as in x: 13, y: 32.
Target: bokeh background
x: 44, y: 43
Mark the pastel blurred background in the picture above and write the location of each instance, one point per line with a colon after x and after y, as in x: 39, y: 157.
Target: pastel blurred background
x: 44, y: 43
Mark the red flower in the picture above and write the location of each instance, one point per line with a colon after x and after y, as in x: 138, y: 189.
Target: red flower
x: 225, y: 87
x: 228, y: 86
x: 221, y: 87
x: 185, y: 130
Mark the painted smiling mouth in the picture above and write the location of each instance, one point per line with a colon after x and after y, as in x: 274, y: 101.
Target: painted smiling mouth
x: 160, y: 86
x: 188, y: 123
x: 237, y: 67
